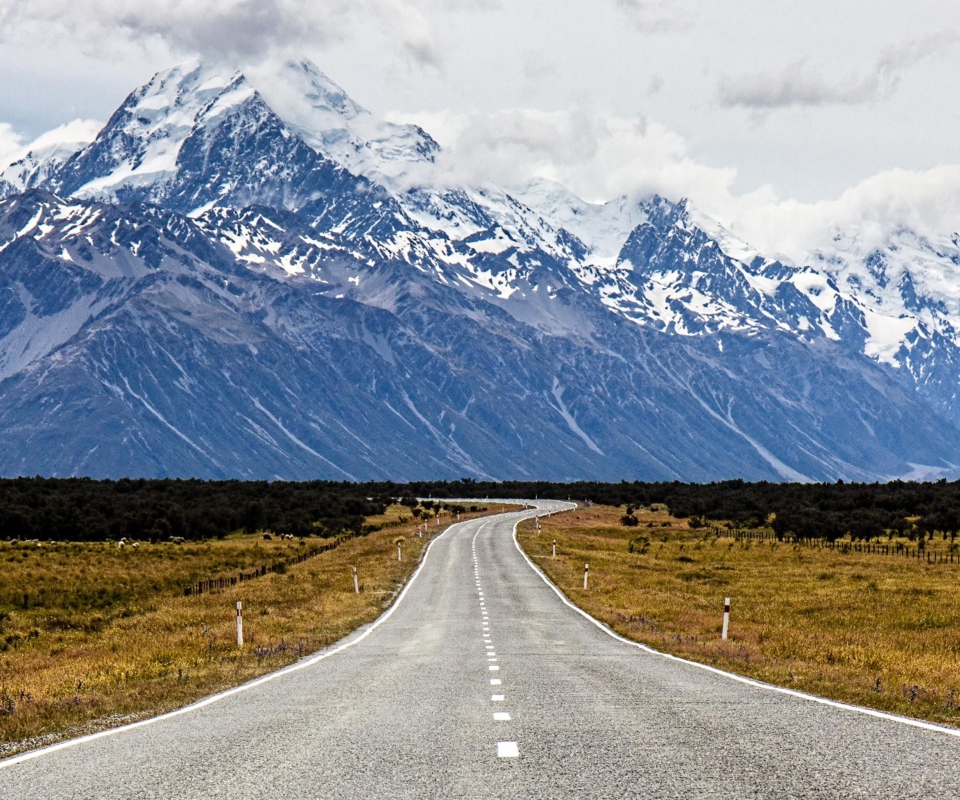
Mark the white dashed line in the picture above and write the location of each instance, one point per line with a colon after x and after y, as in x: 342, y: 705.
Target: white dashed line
x: 495, y: 682
x: 501, y: 716
x: 496, y: 698
x: 508, y: 750
x: 493, y: 668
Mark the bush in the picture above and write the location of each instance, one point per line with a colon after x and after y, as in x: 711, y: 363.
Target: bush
x: 639, y: 545
x: 629, y: 521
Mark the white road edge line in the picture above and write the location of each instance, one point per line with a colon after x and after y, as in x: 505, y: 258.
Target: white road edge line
x: 207, y: 701
x: 870, y: 712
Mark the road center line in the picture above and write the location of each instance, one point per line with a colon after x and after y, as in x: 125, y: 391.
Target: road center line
x: 508, y: 750
x: 245, y: 687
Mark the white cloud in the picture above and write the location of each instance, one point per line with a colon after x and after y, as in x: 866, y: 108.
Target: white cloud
x: 11, y: 144
x: 601, y: 158
x: 925, y: 201
x: 77, y: 132
x: 596, y: 156
x: 65, y: 138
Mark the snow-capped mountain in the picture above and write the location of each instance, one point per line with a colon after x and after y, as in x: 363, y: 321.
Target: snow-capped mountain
x: 336, y: 126
x: 254, y: 276
x: 46, y: 155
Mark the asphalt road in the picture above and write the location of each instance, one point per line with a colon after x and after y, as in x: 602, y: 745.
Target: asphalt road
x: 482, y: 682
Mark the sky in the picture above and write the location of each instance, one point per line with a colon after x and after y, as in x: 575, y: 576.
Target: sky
x: 785, y: 121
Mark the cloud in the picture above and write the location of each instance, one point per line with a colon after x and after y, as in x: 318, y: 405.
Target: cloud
x: 64, y: 139
x: 924, y: 201
x: 601, y: 158
x: 11, y: 145
x: 76, y: 132
x: 598, y: 157
x: 537, y: 64
x: 800, y: 85
x: 227, y: 29
x: 654, y: 16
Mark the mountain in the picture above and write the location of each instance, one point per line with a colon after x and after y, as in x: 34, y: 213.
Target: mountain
x: 236, y: 282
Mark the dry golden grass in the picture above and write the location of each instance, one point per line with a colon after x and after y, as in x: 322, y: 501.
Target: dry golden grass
x: 879, y: 631
x: 107, y: 634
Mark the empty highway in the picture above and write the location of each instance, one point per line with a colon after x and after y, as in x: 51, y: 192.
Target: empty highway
x: 481, y: 682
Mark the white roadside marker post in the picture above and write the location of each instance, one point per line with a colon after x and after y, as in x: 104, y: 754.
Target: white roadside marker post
x: 586, y: 571
x: 398, y: 551
x: 239, y: 624
x: 356, y: 585
x: 554, y: 549
x: 726, y: 617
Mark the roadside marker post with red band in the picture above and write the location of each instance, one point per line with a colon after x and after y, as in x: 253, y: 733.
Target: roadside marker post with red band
x: 726, y: 617
x: 586, y: 571
x: 554, y: 548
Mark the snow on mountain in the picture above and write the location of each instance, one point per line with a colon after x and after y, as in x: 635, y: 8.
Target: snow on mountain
x: 210, y: 191
x: 339, y: 128
x: 46, y: 155
x: 141, y: 143
x: 602, y: 227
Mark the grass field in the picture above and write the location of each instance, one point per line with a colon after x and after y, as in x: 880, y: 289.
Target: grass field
x: 92, y: 635
x: 879, y: 631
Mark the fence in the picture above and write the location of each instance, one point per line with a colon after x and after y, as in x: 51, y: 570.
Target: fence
x: 213, y: 584
x: 898, y: 549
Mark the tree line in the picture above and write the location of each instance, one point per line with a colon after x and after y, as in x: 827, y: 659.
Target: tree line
x: 79, y: 509
x: 805, y: 510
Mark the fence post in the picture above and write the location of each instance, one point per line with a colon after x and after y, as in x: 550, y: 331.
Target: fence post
x: 239, y: 624
x: 726, y: 617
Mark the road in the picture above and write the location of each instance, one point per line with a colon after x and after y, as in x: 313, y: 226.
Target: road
x: 481, y: 682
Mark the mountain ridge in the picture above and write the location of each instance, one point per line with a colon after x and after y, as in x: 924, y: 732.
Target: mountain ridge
x: 242, y: 303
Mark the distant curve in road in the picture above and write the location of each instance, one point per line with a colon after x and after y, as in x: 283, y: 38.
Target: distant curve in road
x: 481, y: 681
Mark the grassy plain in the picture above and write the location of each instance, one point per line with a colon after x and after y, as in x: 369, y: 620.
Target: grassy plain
x: 105, y: 634
x: 878, y: 631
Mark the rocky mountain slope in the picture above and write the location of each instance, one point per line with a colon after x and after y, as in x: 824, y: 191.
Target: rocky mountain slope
x: 236, y: 282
